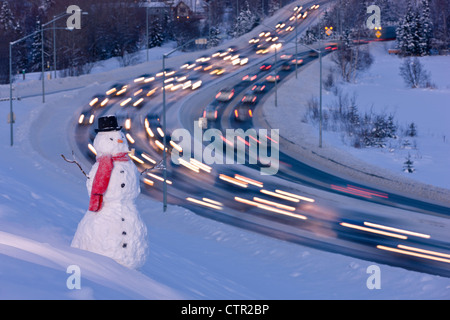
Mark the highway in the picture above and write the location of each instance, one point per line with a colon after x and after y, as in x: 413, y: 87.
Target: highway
x: 299, y: 203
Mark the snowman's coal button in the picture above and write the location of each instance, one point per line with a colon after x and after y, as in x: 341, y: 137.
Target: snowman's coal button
x: 122, y: 185
x: 123, y: 219
x: 124, y: 233
x: 121, y: 171
x: 124, y: 245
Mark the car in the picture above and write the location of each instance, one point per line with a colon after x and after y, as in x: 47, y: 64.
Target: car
x: 249, y: 97
x: 285, y: 66
x: 86, y: 118
x: 259, y: 87
x: 225, y: 94
x: 192, y: 83
x: 154, y: 129
x: 117, y: 89
x: 188, y: 65
x: 297, y: 61
x: 260, y: 49
x: 242, y: 112
x: 203, y: 59
x: 210, y: 112
x: 272, y: 77
x: 313, y: 53
x: 249, y: 77
x: 144, y: 78
x: 98, y: 100
x: 218, y: 71
x: 253, y: 40
x: 204, y: 67
x: 280, y: 25
x: 265, y: 67
x: 220, y: 54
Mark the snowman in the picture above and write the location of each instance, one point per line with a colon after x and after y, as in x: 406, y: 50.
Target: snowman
x: 112, y: 226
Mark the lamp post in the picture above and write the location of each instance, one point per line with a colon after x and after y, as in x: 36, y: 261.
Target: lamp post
x: 320, y: 90
x: 11, y: 113
x: 146, y: 27
x: 55, y: 18
x: 276, y: 46
x: 165, y: 56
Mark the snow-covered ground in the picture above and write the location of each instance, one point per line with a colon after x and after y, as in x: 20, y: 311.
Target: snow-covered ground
x: 43, y: 198
x: 381, y: 90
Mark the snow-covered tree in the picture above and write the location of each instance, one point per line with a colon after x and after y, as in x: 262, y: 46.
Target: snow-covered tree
x: 245, y: 22
x: 412, y: 130
x: 425, y: 28
x: 214, y: 38
x: 156, y: 34
x: 36, y: 49
x: 7, y: 20
x: 414, y: 31
x: 413, y: 73
x: 408, y: 165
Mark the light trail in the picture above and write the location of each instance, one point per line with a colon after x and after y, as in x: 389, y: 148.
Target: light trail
x: 411, y: 233
x: 384, y: 233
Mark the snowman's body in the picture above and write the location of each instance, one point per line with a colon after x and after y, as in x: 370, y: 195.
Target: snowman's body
x: 116, y: 229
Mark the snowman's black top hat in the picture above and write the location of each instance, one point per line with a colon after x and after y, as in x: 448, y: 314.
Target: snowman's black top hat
x: 107, y: 123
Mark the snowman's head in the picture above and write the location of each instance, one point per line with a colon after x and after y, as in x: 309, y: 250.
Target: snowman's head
x: 110, y: 143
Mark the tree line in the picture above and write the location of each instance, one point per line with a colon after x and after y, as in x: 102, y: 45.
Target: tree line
x: 112, y: 28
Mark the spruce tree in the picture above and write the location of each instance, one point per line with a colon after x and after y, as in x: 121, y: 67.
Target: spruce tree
x: 36, y: 49
x: 408, y: 165
x: 425, y: 28
x: 156, y: 35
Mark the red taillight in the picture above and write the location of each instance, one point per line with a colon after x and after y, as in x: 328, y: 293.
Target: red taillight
x: 217, y: 95
x: 204, y: 114
x: 215, y: 114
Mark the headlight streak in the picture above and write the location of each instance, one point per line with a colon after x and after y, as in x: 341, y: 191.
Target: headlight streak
x: 130, y: 138
x: 411, y: 233
x: 295, y: 196
x: 91, y: 147
x: 147, y: 157
x: 148, y: 182
x: 389, y: 234
x: 154, y: 176
x: 281, y: 196
x: 248, y: 180
x: 133, y: 157
x: 204, y: 203
x: 274, y: 204
x: 188, y: 165
x: 233, y: 180
x: 269, y: 208
x: 411, y: 253
x: 200, y: 165
x: 439, y: 254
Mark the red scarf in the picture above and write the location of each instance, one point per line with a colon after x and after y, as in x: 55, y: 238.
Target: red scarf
x: 102, y: 177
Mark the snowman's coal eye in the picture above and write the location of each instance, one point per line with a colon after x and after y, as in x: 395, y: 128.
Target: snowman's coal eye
x: 111, y: 139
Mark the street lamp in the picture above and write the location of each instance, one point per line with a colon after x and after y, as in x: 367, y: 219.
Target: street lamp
x: 165, y: 56
x: 55, y: 18
x: 11, y: 113
x: 320, y: 94
x: 276, y: 46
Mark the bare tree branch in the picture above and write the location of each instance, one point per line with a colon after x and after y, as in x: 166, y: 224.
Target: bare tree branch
x: 74, y: 161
